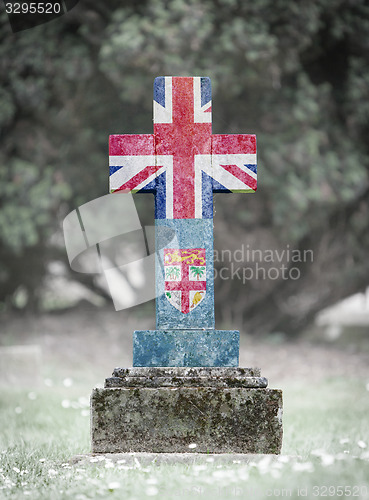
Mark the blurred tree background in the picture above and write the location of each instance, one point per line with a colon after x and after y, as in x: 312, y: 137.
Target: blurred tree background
x: 294, y: 73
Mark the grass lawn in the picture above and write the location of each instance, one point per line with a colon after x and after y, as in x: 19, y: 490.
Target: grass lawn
x: 325, y: 451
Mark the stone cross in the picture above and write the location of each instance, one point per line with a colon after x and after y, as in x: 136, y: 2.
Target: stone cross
x: 185, y: 390
x: 182, y: 163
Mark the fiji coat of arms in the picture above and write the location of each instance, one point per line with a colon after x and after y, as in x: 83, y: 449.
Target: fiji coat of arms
x: 185, y: 277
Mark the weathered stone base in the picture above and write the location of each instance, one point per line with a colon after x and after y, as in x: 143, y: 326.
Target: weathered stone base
x: 186, y: 347
x: 222, y: 415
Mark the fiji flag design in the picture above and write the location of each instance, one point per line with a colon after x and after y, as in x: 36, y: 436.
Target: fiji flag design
x: 185, y: 277
x: 182, y: 163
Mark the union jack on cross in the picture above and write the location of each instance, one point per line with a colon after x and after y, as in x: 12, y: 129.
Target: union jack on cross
x: 182, y: 163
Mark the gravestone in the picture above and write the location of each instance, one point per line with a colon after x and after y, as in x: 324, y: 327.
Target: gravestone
x: 185, y: 386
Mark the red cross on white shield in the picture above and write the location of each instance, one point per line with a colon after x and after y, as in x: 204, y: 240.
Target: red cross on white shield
x: 185, y: 277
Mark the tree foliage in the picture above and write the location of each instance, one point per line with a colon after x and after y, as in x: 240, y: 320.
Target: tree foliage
x: 294, y: 73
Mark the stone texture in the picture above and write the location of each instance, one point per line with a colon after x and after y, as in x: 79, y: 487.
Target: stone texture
x: 165, y: 419
x: 254, y: 382
x: 186, y: 348
x: 188, y: 377
x: 181, y: 371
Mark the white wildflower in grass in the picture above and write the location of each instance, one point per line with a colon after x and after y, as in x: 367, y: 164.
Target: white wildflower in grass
x: 341, y: 456
x: 15, y: 469
x: 67, y: 382
x: 318, y: 453
x: 303, y: 467
x: 277, y: 465
x: 65, y: 403
x: 243, y: 474
x: 205, y: 479
x: 18, y: 410
x: 114, y: 485
x: 327, y: 460
x: 223, y: 474
x: 122, y: 461
x: 152, y: 491
x: 344, y: 440
x: 275, y: 473
x: 8, y: 483
x: 264, y: 464
x: 84, y: 402
x: 32, y: 396
x: 192, y: 446
x: 42, y: 460
x: 361, y: 444
x: 94, y: 459
x: 199, y: 467
x: 52, y: 472
x: 124, y: 467
x: 109, y: 465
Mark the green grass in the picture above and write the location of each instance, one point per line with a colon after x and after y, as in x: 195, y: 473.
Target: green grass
x: 325, y: 430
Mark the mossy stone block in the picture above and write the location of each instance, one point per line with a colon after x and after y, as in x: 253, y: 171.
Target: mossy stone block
x: 168, y: 420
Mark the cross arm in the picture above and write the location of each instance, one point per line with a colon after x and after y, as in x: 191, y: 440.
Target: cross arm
x: 132, y: 163
x: 233, y: 165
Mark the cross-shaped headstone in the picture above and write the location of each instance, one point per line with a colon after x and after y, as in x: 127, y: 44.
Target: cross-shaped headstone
x: 182, y: 163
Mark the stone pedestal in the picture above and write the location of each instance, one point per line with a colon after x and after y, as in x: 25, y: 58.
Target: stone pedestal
x: 186, y: 347
x: 221, y: 410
